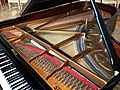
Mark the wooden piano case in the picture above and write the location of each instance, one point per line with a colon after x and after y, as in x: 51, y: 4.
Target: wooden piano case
x: 63, y: 45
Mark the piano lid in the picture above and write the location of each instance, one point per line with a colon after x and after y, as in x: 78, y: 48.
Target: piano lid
x: 36, y: 5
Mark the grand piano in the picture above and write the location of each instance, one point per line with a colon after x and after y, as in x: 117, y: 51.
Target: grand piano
x: 62, y: 45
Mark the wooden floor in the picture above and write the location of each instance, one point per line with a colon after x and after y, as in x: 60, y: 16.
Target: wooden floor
x: 8, y: 13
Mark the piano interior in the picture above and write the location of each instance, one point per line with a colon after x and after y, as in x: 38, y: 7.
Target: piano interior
x: 65, y: 47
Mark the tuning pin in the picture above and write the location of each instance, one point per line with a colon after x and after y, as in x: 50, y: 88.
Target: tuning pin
x: 78, y: 83
x: 67, y: 79
x: 35, y: 62
x: 54, y: 67
x: 54, y: 75
x: 51, y: 67
x: 58, y: 74
x: 81, y: 86
x: 48, y: 66
x: 86, y: 87
x: 39, y: 60
x: 44, y: 65
x: 71, y: 81
x: 74, y: 83
x: 64, y: 78
x: 61, y: 75
x: 90, y: 88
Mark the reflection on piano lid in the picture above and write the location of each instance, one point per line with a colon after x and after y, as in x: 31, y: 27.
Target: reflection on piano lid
x: 36, y: 5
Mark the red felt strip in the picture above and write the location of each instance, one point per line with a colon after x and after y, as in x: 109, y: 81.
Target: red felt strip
x: 39, y: 51
x: 84, y: 80
x: 10, y: 34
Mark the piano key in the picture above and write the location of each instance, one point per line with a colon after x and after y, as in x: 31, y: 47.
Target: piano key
x: 18, y: 83
x: 14, y: 74
x: 10, y: 72
x: 2, y: 57
x: 11, y: 66
x: 5, y: 63
x: 22, y: 87
x: 1, y: 87
x: 21, y: 84
x: 4, y: 60
x: 10, y: 78
x: 14, y: 79
x: 11, y: 75
x: 27, y: 88
x: 1, y: 53
x: 5, y: 85
x: 20, y: 79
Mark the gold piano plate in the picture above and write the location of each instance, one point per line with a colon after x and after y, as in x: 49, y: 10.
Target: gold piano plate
x: 40, y: 59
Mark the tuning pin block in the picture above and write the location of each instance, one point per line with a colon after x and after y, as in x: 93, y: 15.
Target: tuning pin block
x: 71, y: 81
x: 66, y: 80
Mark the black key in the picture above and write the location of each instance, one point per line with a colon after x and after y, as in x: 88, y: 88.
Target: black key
x: 7, y: 68
x: 1, y: 61
x: 1, y: 87
x: 5, y: 63
x: 15, y: 76
x: 10, y: 72
x: 18, y: 84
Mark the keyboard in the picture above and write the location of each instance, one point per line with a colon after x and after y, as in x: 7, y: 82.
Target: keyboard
x: 11, y: 78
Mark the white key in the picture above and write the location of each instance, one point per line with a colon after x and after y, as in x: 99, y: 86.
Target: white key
x: 2, y: 53
x: 12, y: 75
x: 21, y: 86
x: 5, y: 65
x: 17, y: 81
x: 4, y: 82
x: 9, y: 70
x: 3, y: 57
x: 4, y: 61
